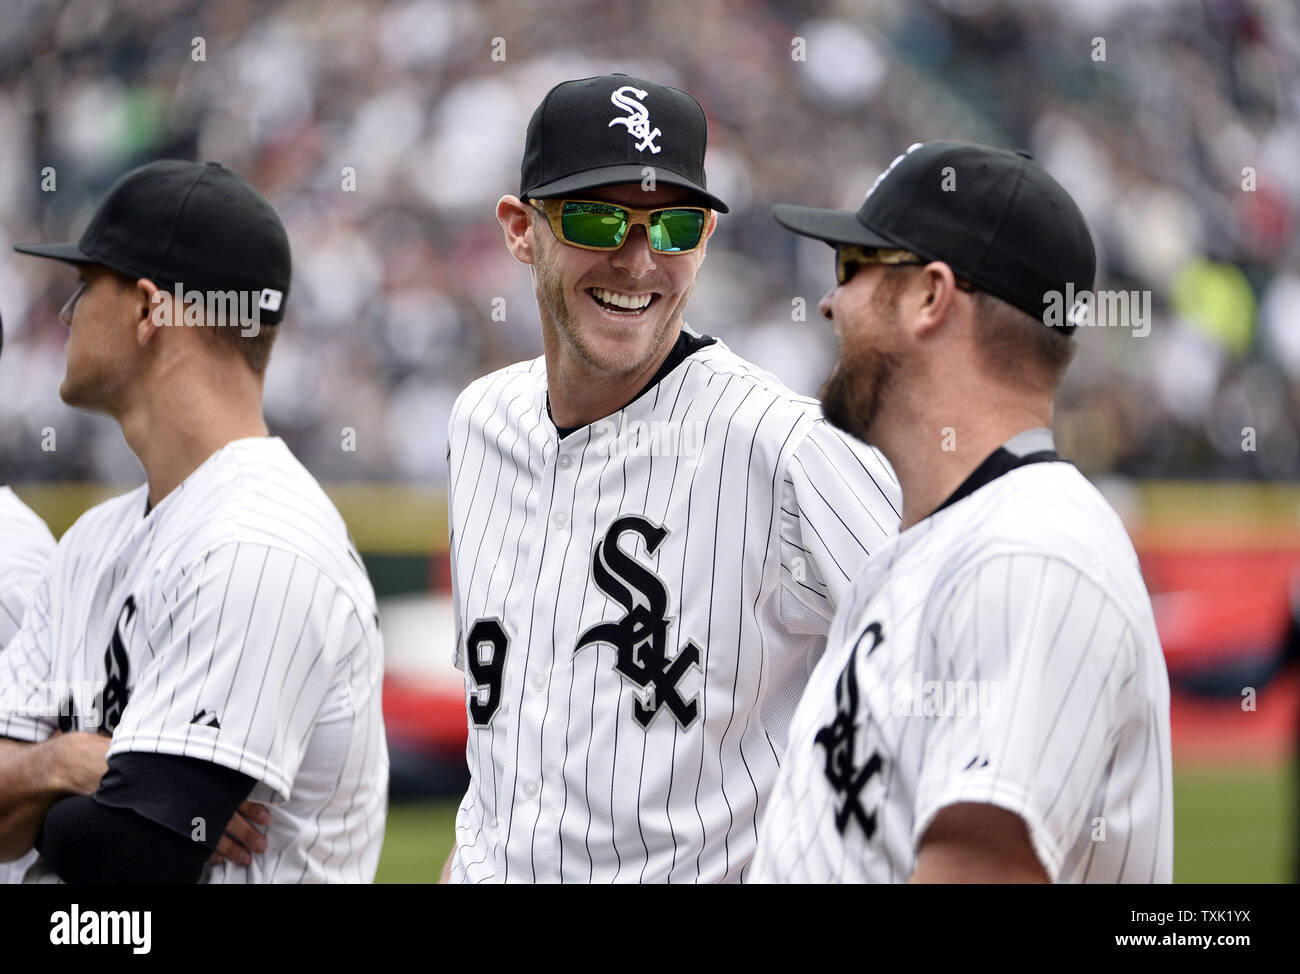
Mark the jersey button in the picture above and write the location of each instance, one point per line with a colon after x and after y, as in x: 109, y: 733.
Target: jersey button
x: 560, y: 519
x: 539, y: 682
x: 565, y: 461
x: 530, y: 789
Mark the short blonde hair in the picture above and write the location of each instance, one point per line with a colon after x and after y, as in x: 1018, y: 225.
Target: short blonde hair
x: 1011, y: 339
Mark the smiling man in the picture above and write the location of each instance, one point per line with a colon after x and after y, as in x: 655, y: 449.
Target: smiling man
x: 649, y: 534
x: 993, y: 705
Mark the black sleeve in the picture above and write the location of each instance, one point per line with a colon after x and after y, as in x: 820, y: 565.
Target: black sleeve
x: 86, y: 842
x: 154, y: 819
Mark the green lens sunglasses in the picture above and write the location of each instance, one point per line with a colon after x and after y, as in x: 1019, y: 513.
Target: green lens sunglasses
x: 593, y: 225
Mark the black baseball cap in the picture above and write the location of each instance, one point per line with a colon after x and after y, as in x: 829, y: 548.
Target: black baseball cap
x: 199, y: 225
x: 993, y: 215
x: 605, y: 130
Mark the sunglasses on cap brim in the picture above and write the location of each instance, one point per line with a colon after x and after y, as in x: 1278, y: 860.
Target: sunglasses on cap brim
x: 594, y: 225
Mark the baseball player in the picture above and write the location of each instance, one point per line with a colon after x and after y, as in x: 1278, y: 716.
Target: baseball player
x: 993, y: 703
x: 24, y: 556
x: 217, y: 621
x: 649, y: 534
x: 27, y: 547
x: 24, y: 552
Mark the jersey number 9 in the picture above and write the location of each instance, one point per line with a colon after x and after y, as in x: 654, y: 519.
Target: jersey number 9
x: 485, y: 655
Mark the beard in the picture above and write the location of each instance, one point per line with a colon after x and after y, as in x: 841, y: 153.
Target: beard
x: 554, y: 302
x: 852, y: 394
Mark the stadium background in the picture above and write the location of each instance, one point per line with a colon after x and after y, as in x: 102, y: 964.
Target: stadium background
x: 1180, y: 142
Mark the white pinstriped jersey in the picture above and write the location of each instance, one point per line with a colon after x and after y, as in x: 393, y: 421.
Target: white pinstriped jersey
x: 638, y: 606
x: 234, y: 623
x: 25, y: 548
x: 1001, y: 651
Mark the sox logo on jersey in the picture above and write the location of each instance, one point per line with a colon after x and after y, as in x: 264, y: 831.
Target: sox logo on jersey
x: 839, y: 739
x: 999, y: 588
x: 641, y: 636
x: 105, y: 712
x: 635, y: 624
x: 231, y: 623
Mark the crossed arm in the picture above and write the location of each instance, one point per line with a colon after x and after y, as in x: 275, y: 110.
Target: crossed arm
x: 90, y: 823
x: 34, y: 776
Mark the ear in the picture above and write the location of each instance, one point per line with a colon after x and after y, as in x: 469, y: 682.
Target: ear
x: 936, y: 295
x: 151, y: 308
x: 516, y: 219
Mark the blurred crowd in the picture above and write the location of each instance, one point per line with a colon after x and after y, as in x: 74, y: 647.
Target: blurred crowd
x: 385, y: 132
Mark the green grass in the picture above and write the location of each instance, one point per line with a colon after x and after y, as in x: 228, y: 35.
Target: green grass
x: 1231, y: 825
x: 418, y: 841
x: 1234, y: 825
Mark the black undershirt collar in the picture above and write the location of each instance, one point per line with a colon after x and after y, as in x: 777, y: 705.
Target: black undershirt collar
x: 1031, y: 446
x: 685, y: 346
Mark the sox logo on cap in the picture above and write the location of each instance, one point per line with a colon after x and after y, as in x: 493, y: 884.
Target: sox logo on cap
x: 890, y: 168
x: 637, y: 119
